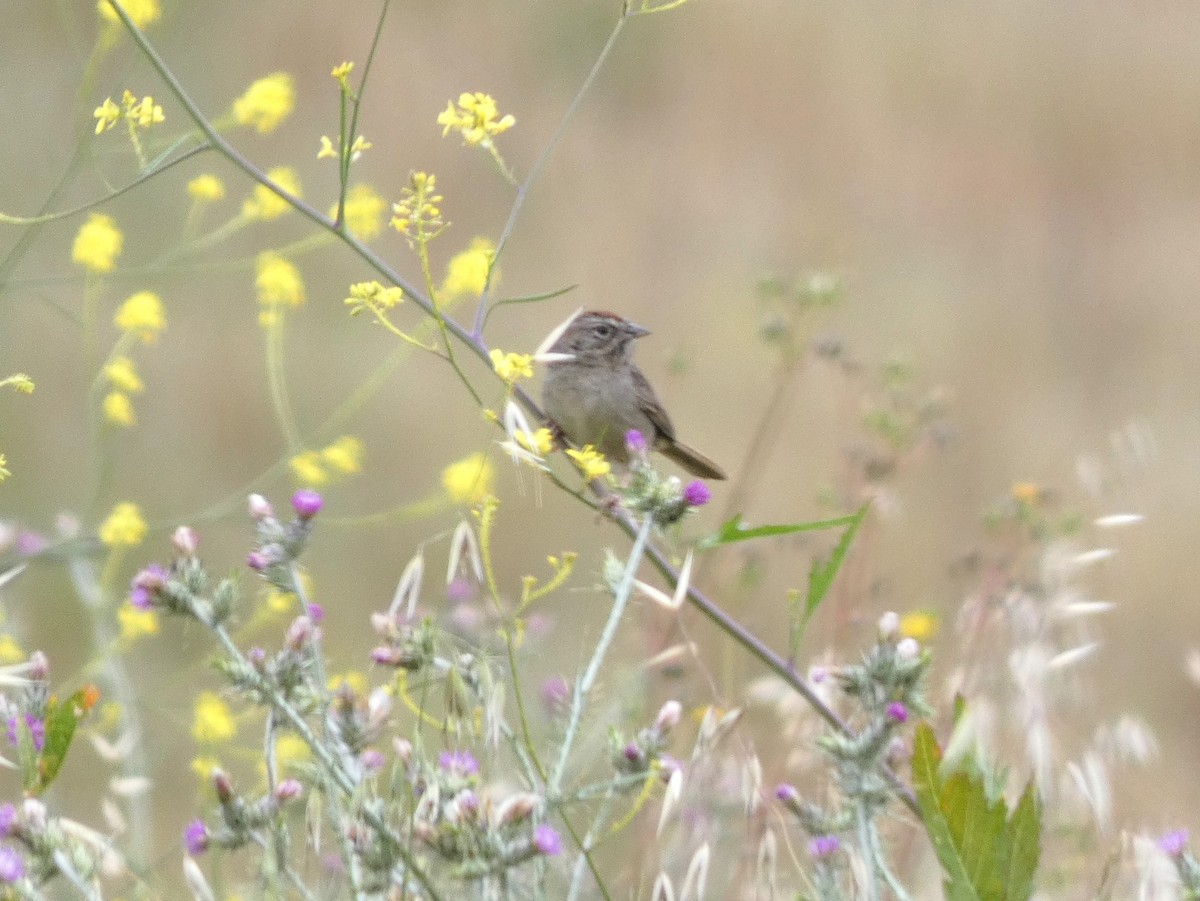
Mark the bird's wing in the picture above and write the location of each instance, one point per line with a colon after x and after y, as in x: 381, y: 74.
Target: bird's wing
x: 651, y: 407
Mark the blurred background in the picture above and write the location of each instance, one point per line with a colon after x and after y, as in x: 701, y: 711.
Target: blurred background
x: 1008, y: 195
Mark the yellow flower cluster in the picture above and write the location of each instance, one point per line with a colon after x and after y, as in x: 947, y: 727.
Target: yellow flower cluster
x: 142, y: 315
x: 266, y: 103
x: 139, y: 113
x: 364, y: 211
x: 590, y: 462
x: 136, y: 623
x: 142, y: 12
x: 372, y: 296
x: 417, y: 215
x: 277, y: 281
x: 476, y: 119
x: 264, y: 203
x: 469, y: 480
x: 511, y: 366
x: 206, y: 188
x: 122, y: 376
x: 98, y: 243
x: 541, y: 442
x: 212, y: 720
x: 356, y: 149
x: 342, y: 71
x: 124, y: 526
x: 312, y: 467
x: 467, y: 271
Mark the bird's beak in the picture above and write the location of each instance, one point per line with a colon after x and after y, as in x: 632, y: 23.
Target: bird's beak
x: 633, y: 330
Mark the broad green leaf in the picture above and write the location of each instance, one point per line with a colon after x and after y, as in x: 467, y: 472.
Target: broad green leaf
x: 61, y: 720
x: 985, y: 855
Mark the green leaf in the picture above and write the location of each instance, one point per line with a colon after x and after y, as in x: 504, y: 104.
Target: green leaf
x: 732, y: 530
x: 985, y: 854
x: 61, y: 719
x: 820, y: 578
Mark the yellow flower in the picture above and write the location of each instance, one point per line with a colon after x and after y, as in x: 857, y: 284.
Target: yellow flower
x: 469, y: 480
x: 326, y: 149
x: 417, y: 215
x: 307, y: 469
x: 352, y: 679
x: 342, y: 71
x: 541, y: 442
x: 264, y: 203
x: 266, y: 103
x: 511, y: 366
x: 98, y: 243
x: 124, y: 526
x: 364, y: 211
x: 141, y: 314
x: 291, y: 749
x: 203, y: 766
x: 142, y: 12
x: 212, y: 720
x: 122, y: 374
x: 590, y: 462
x: 118, y: 409
x: 206, y: 188
x: 278, y: 281
x: 475, y: 119
x: 136, y: 623
x: 344, y: 455
x: 5, y: 472
x: 372, y: 295
x: 467, y: 271
x: 11, y: 651
x: 142, y: 113
x: 107, y: 115
x: 919, y: 624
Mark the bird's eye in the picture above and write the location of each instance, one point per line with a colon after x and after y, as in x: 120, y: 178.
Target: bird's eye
x: 604, y: 330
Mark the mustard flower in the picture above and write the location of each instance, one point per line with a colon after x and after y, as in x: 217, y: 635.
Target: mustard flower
x: 142, y: 113
x: 344, y: 455
x: 364, y: 211
x: 278, y: 281
x: 372, y: 295
x: 475, y: 118
x: 107, y: 115
x: 511, y: 366
x: 98, y: 243
x: 264, y: 203
x: 122, y: 374
x: 136, y: 623
x: 206, y: 188
x: 142, y: 12
x: 541, y: 442
x: 118, y: 409
x: 417, y: 214
x: 307, y: 469
x: 919, y: 624
x: 342, y: 71
x: 469, y: 480
x: 212, y: 720
x: 467, y: 271
x: 141, y: 314
x: 5, y: 472
x: 124, y: 526
x: 590, y: 462
x: 266, y: 103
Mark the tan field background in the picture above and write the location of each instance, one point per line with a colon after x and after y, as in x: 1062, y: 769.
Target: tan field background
x: 1009, y: 193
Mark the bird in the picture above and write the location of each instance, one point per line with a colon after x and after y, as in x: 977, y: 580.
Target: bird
x: 595, y: 394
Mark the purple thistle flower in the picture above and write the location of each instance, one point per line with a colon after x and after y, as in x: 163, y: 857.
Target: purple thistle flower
x: 195, y: 838
x: 146, y: 585
x: 8, y: 820
x: 372, y: 760
x: 546, y: 840
x: 288, y: 790
x: 635, y: 441
x: 458, y: 763
x: 307, y: 503
x: 257, y: 561
x: 897, y: 712
x: 555, y: 695
x: 787, y: 793
x: 316, y: 612
x: 696, y: 494
x: 37, y: 730
x: 12, y: 866
x: 1173, y: 843
x: 822, y: 846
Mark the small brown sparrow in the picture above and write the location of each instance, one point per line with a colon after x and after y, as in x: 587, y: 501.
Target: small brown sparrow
x: 599, y: 394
